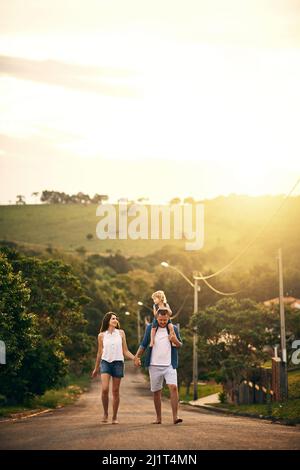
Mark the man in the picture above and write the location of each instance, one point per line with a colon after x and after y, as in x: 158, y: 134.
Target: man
x: 162, y: 361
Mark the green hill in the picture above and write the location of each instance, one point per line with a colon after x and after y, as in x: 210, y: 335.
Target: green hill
x: 229, y: 224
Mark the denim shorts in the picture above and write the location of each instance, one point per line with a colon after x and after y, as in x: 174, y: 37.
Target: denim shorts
x: 115, y: 368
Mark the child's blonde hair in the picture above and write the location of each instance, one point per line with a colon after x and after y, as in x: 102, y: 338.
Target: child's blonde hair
x: 160, y: 294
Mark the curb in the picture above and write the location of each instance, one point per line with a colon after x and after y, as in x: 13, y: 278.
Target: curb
x: 225, y: 411
x: 25, y: 415
x: 39, y: 411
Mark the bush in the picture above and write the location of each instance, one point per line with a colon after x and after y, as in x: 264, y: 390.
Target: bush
x: 222, y: 397
x: 3, y: 400
x: 81, y: 250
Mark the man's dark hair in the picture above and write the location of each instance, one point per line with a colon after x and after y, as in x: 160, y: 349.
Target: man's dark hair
x: 163, y: 311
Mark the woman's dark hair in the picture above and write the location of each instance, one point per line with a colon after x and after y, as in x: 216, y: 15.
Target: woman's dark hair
x: 106, y: 320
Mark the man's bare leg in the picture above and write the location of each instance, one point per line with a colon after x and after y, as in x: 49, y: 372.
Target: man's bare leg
x: 157, y: 405
x: 174, y: 403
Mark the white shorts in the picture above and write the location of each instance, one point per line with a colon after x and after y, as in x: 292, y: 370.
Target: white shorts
x: 159, y: 373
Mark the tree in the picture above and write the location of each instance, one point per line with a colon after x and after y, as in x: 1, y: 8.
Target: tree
x: 20, y: 200
x: 17, y: 329
x: 83, y: 198
x: 81, y: 250
x: 175, y: 200
x: 35, y: 194
x: 189, y: 200
x: 53, y: 197
x: 141, y: 200
x: 99, y: 198
x: 118, y: 262
x: 57, y: 299
x: 236, y: 332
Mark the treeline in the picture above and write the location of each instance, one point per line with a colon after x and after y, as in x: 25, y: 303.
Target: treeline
x: 51, y: 309
x: 56, y: 197
x: 41, y: 323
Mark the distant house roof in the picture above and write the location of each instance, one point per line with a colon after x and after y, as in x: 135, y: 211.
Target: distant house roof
x: 291, y: 301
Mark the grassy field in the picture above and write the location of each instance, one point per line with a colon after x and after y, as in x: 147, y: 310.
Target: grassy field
x: 228, y: 224
x: 55, y: 398
x: 203, y: 391
x: 65, y: 228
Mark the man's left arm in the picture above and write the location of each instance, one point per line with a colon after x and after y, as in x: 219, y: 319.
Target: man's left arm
x: 145, y: 342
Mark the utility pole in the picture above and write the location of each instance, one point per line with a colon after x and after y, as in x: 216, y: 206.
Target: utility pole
x: 282, y: 327
x: 195, y: 343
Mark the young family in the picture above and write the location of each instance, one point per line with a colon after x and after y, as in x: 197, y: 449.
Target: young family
x: 161, y: 340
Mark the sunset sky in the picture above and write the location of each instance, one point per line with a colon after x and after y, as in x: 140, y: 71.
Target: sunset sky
x: 157, y: 98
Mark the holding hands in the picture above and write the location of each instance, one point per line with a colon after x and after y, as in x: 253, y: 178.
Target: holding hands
x: 137, y: 361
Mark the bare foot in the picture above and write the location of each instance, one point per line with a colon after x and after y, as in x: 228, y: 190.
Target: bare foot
x: 178, y: 420
x: 115, y: 421
x: 104, y: 419
x: 158, y: 421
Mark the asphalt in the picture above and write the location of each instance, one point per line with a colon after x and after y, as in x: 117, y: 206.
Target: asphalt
x: 79, y: 426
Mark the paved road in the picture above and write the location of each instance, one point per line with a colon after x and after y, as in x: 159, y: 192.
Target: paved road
x: 78, y: 426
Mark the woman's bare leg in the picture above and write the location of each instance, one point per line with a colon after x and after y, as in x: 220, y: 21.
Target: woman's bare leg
x: 116, y: 382
x: 105, y: 379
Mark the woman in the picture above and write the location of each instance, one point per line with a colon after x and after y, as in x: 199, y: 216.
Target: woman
x: 112, y: 348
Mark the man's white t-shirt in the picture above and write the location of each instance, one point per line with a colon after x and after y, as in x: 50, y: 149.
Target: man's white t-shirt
x: 161, y: 351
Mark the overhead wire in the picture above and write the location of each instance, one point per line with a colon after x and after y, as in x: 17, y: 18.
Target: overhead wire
x: 246, y: 248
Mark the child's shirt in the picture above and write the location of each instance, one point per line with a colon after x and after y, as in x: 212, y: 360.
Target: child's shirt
x: 156, y: 306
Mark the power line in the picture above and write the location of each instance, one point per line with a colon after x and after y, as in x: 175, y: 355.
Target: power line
x: 180, y: 308
x: 254, y: 239
x: 214, y: 289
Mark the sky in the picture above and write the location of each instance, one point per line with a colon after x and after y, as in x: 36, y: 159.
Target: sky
x: 159, y: 99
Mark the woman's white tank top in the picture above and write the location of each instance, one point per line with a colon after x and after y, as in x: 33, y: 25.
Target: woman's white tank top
x: 112, y: 346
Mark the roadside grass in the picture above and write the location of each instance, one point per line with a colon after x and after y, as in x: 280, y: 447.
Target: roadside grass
x: 288, y: 411
x: 204, y: 390
x: 54, y: 398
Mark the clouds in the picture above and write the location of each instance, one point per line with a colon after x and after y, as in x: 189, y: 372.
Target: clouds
x: 90, y: 79
x: 88, y: 84
x: 235, y: 21
x: 42, y: 145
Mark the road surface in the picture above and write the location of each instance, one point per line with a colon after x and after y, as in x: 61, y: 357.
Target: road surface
x: 79, y: 426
